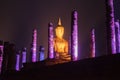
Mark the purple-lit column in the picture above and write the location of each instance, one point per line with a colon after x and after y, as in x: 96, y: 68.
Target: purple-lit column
x: 1, y: 55
x: 41, y: 53
x: 17, y: 61
x: 92, y: 45
x: 24, y: 53
x: 74, y: 36
x: 117, y: 29
x: 111, y: 42
x: 50, y: 41
x: 34, y: 46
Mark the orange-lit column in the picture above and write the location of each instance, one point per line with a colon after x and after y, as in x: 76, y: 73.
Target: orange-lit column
x: 92, y: 44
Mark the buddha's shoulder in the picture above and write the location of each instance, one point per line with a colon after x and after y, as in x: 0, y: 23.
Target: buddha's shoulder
x: 65, y: 41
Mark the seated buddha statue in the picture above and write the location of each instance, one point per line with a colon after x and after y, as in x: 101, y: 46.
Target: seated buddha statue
x: 60, y: 44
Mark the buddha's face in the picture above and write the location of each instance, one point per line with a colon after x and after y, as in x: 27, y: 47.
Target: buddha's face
x: 59, y: 32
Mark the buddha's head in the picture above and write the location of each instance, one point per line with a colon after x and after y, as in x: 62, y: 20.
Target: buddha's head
x: 59, y: 30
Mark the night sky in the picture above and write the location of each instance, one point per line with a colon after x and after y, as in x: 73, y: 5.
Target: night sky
x: 18, y: 18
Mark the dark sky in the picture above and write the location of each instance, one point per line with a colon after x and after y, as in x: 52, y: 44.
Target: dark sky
x: 19, y: 17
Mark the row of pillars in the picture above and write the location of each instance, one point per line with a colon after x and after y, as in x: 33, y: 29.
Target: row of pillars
x: 113, y: 29
x: 74, y: 38
x: 12, y: 60
x: 113, y: 34
x: 113, y: 37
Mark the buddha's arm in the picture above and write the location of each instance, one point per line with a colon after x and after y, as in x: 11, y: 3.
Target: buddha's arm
x: 54, y: 45
x: 66, y: 47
